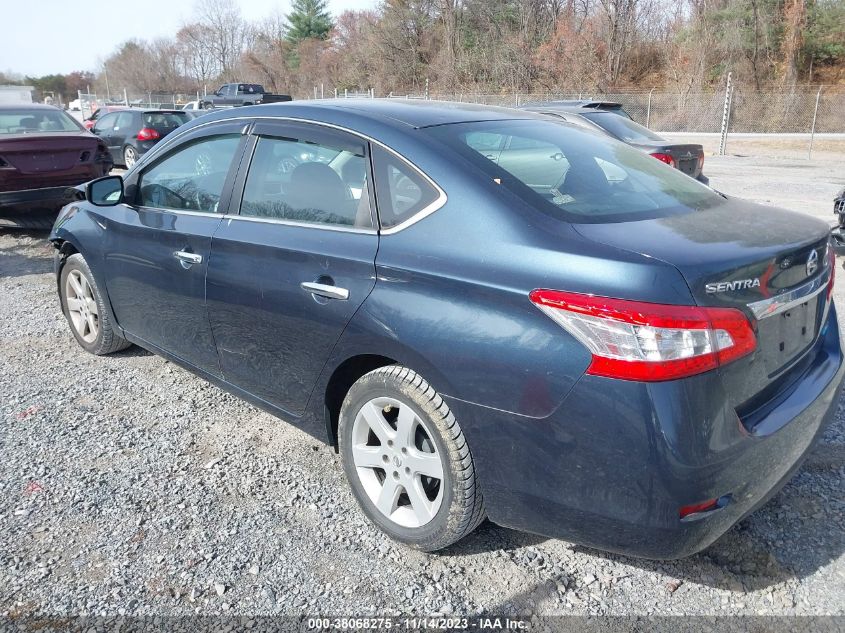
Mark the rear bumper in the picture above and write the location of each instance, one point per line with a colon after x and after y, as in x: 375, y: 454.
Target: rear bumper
x: 703, y: 179
x: 613, y: 465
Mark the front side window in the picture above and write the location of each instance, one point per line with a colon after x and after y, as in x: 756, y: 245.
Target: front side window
x: 574, y: 174
x: 105, y: 123
x: 401, y: 190
x: 315, y: 183
x: 192, y: 177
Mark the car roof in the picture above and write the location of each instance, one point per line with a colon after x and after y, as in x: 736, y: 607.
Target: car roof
x: 414, y: 113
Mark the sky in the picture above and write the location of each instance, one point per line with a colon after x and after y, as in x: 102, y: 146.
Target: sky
x: 42, y: 37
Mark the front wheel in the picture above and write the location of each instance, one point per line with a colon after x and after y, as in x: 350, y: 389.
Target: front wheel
x: 85, y: 310
x: 407, y: 460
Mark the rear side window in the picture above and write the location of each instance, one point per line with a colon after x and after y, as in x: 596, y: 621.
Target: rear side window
x: 401, y: 190
x: 574, y: 174
x: 314, y: 183
x: 192, y: 177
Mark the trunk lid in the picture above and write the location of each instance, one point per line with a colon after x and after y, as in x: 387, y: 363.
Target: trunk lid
x: 688, y: 157
x: 749, y: 257
x: 37, y: 154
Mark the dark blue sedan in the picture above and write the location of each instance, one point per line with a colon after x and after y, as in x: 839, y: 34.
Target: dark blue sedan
x: 488, y: 313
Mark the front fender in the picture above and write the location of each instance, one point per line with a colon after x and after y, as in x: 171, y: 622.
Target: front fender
x: 77, y: 230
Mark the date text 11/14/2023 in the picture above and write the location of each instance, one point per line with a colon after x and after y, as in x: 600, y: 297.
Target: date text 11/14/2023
x: 418, y: 624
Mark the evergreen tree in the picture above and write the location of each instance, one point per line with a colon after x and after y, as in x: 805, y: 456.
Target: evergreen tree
x: 308, y: 19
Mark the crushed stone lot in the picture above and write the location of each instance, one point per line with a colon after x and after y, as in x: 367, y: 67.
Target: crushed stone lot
x: 129, y: 486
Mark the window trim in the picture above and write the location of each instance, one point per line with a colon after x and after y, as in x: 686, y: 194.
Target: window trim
x: 240, y: 178
x: 239, y: 187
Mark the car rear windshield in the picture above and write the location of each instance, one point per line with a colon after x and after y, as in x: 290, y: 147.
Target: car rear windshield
x: 33, y: 121
x: 622, y: 128
x: 165, y: 121
x: 574, y: 174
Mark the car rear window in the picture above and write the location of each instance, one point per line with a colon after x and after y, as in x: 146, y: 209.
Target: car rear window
x: 33, y: 121
x: 250, y: 89
x: 622, y: 128
x: 165, y: 121
x: 574, y: 174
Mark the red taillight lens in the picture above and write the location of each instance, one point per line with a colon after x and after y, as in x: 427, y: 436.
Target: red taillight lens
x: 148, y: 134
x: 633, y: 340
x: 701, y: 161
x: 664, y: 158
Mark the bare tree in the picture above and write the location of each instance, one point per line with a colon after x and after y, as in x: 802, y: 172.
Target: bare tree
x: 227, y: 31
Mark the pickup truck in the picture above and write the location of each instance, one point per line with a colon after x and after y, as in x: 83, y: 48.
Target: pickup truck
x: 238, y: 95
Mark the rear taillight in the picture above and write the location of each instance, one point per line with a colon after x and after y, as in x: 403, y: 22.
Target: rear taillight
x: 664, y: 158
x: 633, y: 340
x: 148, y: 134
x: 701, y: 161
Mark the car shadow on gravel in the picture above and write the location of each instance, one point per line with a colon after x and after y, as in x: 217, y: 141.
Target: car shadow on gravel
x: 790, y: 537
x: 27, y: 255
x: 489, y: 537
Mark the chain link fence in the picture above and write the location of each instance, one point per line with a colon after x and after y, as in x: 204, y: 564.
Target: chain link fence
x: 89, y: 102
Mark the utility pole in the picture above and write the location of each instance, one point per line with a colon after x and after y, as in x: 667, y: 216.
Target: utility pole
x: 726, y: 115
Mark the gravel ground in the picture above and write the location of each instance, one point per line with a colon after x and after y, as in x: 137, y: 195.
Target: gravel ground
x: 129, y: 486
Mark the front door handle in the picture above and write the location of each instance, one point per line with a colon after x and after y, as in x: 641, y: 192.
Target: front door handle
x: 325, y: 290
x: 187, y: 259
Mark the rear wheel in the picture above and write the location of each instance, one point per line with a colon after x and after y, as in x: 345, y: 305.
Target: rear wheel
x: 130, y: 156
x: 85, y: 310
x: 407, y: 461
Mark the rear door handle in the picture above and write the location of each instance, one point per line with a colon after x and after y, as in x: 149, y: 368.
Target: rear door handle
x: 325, y: 290
x: 187, y: 259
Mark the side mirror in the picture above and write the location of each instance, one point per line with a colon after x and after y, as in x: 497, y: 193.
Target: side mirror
x: 105, y: 192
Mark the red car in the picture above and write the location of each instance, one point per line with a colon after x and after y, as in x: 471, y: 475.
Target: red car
x: 43, y: 151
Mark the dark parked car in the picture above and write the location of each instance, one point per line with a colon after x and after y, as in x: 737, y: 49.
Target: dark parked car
x: 689, y: 158
x: 43, y: 151
x: 99, y: 113
x: 131, y: 133
x: 575, y: 340
x: 240, y: 95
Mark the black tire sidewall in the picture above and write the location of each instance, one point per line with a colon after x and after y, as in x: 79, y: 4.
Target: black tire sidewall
x: 368, y: 388
x: 71, y: 265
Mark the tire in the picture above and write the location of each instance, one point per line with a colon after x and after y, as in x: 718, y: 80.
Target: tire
x: 89, y: 320
x: 421, y: 511
x: 130, y: 156
x: 207, y: 106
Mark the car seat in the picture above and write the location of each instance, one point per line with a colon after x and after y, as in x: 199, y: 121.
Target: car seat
x: 317, y: 187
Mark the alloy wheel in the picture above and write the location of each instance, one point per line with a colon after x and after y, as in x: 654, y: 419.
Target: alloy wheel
x: 130, y: 157
x: 82, y: 306
x: 397, y: 462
